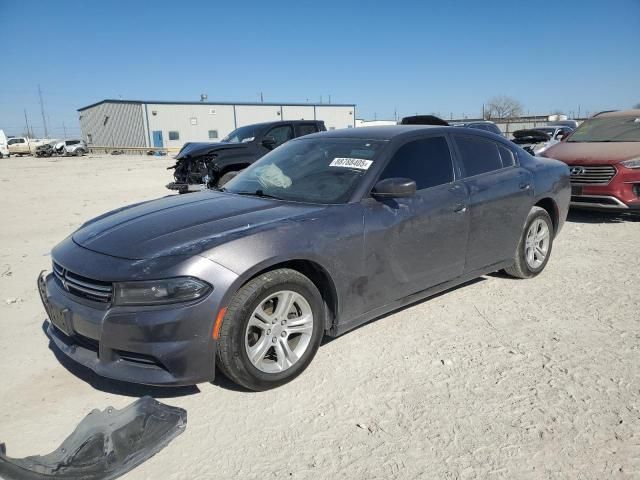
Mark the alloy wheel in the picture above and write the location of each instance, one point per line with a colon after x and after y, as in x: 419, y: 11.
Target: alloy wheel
x: 279, y: 331
x: 537, y: 243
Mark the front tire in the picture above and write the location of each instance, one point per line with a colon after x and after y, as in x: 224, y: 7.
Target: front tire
x: 534, y: 248
x: 226, y: 177
x: 271, y: 331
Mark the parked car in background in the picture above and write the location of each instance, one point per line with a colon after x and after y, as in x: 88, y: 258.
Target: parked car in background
x: 4, y: 149
x: 485, y: 125
x: 71, y: 147
x: 47, y: 149
x: 537, y: 140
x: 201, y: 165
x: 603, y: 155
x: 319, y: 236
x: 23, y: 145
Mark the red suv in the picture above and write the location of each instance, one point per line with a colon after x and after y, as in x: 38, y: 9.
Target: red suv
x: 603, y: 155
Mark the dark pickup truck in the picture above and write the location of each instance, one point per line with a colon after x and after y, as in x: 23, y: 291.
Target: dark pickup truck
x: 200, y: 165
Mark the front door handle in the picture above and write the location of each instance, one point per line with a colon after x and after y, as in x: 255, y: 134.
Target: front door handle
x: 460, y: 208
x: 525, y: 186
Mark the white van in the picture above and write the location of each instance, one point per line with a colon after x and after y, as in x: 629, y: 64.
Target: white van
x: 4, y: 148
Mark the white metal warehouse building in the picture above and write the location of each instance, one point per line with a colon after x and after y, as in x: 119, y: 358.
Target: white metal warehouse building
x: 137, y: 123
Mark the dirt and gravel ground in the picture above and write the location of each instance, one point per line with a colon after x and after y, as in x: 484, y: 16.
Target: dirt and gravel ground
x: 534, y: 379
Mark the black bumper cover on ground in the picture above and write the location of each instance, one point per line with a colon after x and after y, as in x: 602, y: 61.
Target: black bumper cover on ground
x: 105, y: 444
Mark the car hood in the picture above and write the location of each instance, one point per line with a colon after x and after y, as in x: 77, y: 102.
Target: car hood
x: 183, y: 224
x: 593, y: 153
x: 197, y: 149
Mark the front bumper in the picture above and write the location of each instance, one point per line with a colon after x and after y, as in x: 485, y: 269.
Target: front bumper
x: 168, y: 345
x: 621, y: 194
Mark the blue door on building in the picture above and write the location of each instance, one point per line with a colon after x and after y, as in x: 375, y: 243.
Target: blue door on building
x: 157, y: 139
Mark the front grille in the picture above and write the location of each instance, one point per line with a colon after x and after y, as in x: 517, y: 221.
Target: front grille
x: 84, y: 287
x: 593, y: 174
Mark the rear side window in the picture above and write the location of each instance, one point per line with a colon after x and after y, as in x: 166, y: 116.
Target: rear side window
x: 426, y: 161
x: 507, y: 156
x: 478, y: 155
x: 306, y: 129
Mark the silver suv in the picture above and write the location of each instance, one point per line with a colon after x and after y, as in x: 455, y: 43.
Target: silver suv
x: 71, y: 147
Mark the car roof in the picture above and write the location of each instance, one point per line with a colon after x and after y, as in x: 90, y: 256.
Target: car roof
x: 277, y: 122
x: 635, y: 112
x: 390, y: 132
x: 382, y: 132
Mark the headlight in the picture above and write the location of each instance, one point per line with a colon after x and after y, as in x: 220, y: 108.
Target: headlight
x: 633, y: 163
x: 159, y: 292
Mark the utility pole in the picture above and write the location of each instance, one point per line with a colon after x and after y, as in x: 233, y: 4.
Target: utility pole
x: 64, y: 129
x: 329, y: 99
x: 27, y: 122
x: 44, y: 120
x: 261, y: 98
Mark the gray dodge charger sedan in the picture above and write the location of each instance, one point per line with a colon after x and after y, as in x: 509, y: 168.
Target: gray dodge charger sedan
x: 319, y: 236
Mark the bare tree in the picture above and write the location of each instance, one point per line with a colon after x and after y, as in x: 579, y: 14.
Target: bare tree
x: 637, y: 105
x: 502, y: 108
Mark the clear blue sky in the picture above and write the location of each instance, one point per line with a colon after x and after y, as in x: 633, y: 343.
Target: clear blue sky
x: 422, y: 56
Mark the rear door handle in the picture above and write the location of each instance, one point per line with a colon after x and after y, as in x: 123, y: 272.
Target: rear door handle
x: 460, y: 208
x: 525, y: 186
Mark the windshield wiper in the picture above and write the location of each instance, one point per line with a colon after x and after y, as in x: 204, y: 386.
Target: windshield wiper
x: 258, y: 193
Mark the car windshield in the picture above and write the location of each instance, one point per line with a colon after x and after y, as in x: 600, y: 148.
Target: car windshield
x: 318, y: 170
x: 241, y: 135
x: 608, y: 129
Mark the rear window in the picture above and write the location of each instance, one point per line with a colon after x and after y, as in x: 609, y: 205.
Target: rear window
x: 306, y: 129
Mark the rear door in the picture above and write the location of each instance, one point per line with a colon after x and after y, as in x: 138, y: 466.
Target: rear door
x: 420, y: 241
x: 500, y: 196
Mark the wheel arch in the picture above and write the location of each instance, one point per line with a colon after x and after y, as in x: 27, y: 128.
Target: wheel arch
x: 548, y: 204
x: 311, y: 269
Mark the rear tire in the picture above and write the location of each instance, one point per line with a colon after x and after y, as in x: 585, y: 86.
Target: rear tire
x: 278, y: 319
x: 534, y: 247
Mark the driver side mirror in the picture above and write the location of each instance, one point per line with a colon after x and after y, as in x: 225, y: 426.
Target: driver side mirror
x: 269, y: 143
x: 394, y: 188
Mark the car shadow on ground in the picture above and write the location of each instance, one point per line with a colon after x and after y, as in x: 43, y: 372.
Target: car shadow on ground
x: 115, y: 387
x: 596, y: 216
x: 326, y: 340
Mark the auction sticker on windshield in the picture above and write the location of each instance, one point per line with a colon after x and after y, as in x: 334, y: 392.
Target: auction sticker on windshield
x: 359, y: 163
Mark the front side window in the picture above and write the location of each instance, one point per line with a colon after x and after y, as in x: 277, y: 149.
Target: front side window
x: 315, y: 170
x: 280, y: 134
x: 608, y: 129
x: 479, y: 155
x: 426, y: 161
x: 174, y: 135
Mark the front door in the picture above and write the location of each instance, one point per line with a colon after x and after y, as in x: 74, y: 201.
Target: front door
x: 157, y: 139
x: 416, y: 242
